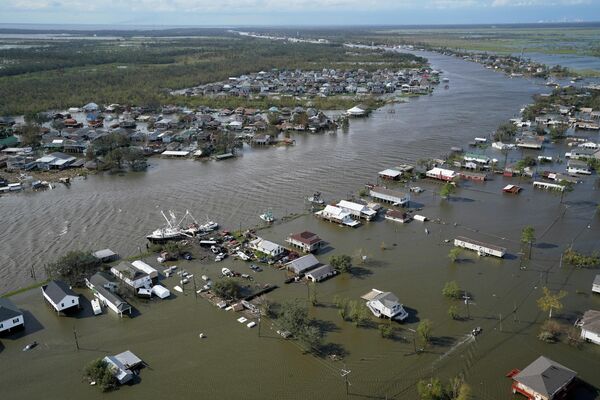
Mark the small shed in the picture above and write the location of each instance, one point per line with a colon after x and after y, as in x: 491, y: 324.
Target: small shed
x: 106, y: 255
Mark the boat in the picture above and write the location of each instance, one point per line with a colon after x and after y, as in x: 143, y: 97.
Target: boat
x: 96, y: 307
x: 445, y: 80
x: 209, y: 226
x: 226, y: 272
x: 174, y: 229
x: 268, y: 216
x: 316, y: 198
x: 179, y: 289
x: 30, y: 346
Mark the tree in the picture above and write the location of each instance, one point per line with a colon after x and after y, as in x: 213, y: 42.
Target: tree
x: 458, y: 389
x: 73, y: 267
x: 447, y: 189
x: 579, y: 260
x: 31, y: 135
x: 528, y: 237
x: 424, y: 331
x: 550, y: 331
x: 293, y: 317
x: 505, y: 132
x: 451, y: 290
x: 358, y: 313
x: 454, y: 253
x: 227, y: 288
x: 567, y: 187
x: 551, y: 301
x: 431, y: 389
x: 386, y: 331
x: 98, y: 371
x: 453, y: 312
x: 342, y: 263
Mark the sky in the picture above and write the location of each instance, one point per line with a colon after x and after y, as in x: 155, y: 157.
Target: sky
x: 296, y: 12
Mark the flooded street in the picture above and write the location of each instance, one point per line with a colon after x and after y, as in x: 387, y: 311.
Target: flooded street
x: 237, y: 362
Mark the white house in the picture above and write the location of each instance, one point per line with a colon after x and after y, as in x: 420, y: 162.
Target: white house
x: 320, y: 273
x: 590, y: 326
x: 104, y: 289
x: 60, y: 296
x: 337, y: 215
x: 357, y: 210
x: 390, y: 196
x: 142, y: 266
x: 10, y: 316
x: 596, y: 284
x: 385, y: 305
x: 131, y: 275
x: 578, y: 167
x: 119, y: 371
x: 441, y: 174
x: 266, y: 247
x: 480, y: 247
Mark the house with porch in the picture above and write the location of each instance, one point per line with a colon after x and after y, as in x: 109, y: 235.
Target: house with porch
x: 104, y: 289
x: 11, y: 318
x: 266, y: 247
x: 132, y: 276
x: 60, y: 296
x: 337, y: 215
x: 357, y: 210
x: 543, y: 379
x: 390, y: 196
x: 306, y: 241
x: 590, y: 326
x: 384, y: 305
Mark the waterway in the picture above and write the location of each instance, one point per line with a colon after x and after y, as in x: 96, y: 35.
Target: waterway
x: 234, y: 361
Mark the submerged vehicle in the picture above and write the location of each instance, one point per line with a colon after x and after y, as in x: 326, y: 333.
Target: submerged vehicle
x: 316, y: 198
x: 30, y: 346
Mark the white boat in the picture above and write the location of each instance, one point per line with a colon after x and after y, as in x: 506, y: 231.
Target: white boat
x: 174, y: 230
x: 179, y: 289
x: 316, y: 198
x: 226, y: 272
x: 96, y: 307
x: 209, y: 226
x: 268, y: 216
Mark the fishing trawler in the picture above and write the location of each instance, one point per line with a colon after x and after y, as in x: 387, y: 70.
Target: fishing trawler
x: 316, y: 198
x: 175, y: 229
x: 268, y: 216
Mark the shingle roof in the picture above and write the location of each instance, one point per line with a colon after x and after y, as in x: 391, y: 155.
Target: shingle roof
x: 545, y: 376
x: 57, y: 290
x: 591, y: 321
x: 8, y: 310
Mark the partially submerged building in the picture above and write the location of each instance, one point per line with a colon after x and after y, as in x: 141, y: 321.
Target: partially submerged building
x: 105, y: 289
x: 385, y: 305
x: 395, y: 197
x: 266, y: 247
x: 590, y: 326
x: 337, y: 215
x: 544, y: 379
x: 306, y: 241
x: 60, y: 296
x: 480, y: 247
x: 11, y: 318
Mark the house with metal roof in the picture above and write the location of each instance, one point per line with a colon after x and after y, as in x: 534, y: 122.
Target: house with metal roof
x: 119, y: 371
x: 321, y: 273
x: 303, y: 264
x: 104, y: 289
x: 385, y: 305
x: 590, y: 326
x: 337, y: 215
x: 391, y: 196
x: 11, y: 317
x: 131, y: 275
x: 60, y: 296
x: 544, y: 379
x: 106, y: 255
x: 596, y: 284
x: 266, y: 247
x: 357, y: 210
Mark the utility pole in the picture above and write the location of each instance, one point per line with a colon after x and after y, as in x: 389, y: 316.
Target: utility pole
x: 259, y: 313
x: 195, y: 289
x: 76, y: 340
x: 500, y: 318
x: 515, y: 311
x: 466, y: 297
x: 345, y: 373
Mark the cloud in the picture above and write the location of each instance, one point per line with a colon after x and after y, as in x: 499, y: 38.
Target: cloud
x: 535, y: 3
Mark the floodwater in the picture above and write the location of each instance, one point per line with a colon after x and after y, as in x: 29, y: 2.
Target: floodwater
x: 571, y: 61
x: 235, y: 361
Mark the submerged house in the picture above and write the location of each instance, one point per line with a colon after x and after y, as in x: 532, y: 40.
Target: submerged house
x: 544, y: 379
x: 60, y: 296
x: 306, y: 241
x: 266, y: 247
x: 385, y: 305
x: 104, y: 288
x: 481, y: 248
x: 596, y: 284
x: 321, y: 273
x: 303, y: 264
x: 590, y: 326
x: 391, y: 196
x: 337, y: 215
x: 11, y: 317
x: 131, y: 275
x: 441, y: 174
x: 357, y: 210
